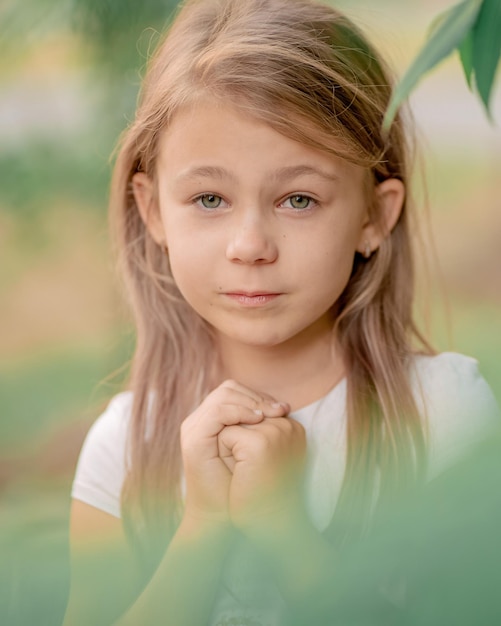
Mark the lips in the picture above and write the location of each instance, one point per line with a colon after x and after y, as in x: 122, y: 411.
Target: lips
x: 252, y: 294
x: 252, y: 298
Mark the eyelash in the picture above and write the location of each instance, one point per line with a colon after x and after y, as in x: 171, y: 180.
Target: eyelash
x: 198, y: 200
x: 311, y: 202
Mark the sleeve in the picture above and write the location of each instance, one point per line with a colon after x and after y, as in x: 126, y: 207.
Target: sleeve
x: 100, y: 470
x: 459, y: 406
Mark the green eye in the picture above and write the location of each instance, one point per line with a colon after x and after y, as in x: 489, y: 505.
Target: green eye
x: 299, y: 202
x: 210, y: 200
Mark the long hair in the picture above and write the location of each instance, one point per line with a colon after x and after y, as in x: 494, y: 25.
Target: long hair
x: 307, y: 71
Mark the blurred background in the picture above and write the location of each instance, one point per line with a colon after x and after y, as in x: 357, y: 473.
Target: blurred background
x: 69, y: 75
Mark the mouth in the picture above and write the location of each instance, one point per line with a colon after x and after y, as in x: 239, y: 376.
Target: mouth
x: 253, y: 298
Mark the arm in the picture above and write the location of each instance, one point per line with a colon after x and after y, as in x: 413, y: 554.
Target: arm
x: 106, y: 589
x: 103, y: 572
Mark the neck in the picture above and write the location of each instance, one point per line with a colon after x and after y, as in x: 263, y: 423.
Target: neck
x: 298, y: 372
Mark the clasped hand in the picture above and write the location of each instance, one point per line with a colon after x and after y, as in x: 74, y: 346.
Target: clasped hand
x: 243, y: 458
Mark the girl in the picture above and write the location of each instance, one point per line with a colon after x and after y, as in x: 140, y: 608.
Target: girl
x: 280, y: 391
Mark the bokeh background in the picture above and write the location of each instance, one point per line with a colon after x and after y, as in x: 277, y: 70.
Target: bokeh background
x: 69, y: 75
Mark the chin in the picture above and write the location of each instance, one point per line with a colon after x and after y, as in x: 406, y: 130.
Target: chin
x: 258, y: 339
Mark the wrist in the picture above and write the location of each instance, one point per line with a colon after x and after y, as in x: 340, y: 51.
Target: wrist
x: 197, y: 524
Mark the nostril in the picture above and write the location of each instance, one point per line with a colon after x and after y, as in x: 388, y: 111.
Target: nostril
x: 252, y: 246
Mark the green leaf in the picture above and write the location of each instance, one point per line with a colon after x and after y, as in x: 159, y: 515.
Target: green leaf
x: 437, y: 22
x: 487, y: 48
x: 448, y: 36
x: 466, y: 55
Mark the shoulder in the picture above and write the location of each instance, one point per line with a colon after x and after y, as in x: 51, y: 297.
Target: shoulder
x: 451, y: 381
x: 457, y: 403
x: 109, y: 432
x: 102, y: 463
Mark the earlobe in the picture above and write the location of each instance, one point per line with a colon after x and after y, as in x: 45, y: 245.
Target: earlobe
x: 144, y: 194
x: 389, y: 197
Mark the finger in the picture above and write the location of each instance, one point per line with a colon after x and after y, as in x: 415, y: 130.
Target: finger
x: 239, y: 442
x: 225, y: 454
x: 229, y: 393
x: 251, y: 393
x: 277, y: 431
x: 260, y: 400
x: 209, y: 421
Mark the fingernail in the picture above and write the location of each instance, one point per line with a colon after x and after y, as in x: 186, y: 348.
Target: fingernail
x: 258, y: 412
x: 280, y: 405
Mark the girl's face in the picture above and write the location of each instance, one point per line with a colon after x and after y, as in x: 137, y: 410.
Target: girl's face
x: 261, y: 230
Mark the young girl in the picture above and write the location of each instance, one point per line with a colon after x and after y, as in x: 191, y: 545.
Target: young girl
x: 280, y: 391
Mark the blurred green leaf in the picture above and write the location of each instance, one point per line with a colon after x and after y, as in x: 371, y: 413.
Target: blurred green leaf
x: 437, y: 22
x: 446, y: 38
x: 466, y: 55
x: 487, y: 48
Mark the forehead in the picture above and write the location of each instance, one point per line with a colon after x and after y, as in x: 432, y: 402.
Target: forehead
x: 209, y: 132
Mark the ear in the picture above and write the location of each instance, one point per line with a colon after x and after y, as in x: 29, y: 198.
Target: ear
x: 144, y: 194
x: 389, y: 200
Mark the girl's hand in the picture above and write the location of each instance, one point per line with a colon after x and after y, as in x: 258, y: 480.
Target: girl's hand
x: 267, y: 461
x: 207, y: 475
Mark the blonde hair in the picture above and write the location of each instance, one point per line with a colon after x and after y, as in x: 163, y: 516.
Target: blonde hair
x: 307, y: 71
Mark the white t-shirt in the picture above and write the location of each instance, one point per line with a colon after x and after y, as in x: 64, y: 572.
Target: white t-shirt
x: 448, y: 388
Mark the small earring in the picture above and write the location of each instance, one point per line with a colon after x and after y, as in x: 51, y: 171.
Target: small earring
x: 367, y: 250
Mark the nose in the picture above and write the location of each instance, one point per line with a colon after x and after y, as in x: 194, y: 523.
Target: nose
x: 252, y: 241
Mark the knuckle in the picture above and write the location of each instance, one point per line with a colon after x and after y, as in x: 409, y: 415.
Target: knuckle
x: 260, y: 442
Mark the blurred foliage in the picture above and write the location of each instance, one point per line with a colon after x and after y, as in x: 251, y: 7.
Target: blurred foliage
x: 114, y: 27
x: 115, y: 38
x: 30, y: 21
x: 473, y: 28
x: 432, y: 559
x: 60, y: 385
x: 34, y: 568
x: 35, y: 175
x: 120, y: 36
x: 439, y: 548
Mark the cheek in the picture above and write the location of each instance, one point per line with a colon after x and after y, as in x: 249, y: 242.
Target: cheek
x: 190, y: 264
x: 331, y: 252
x: 336, y: 270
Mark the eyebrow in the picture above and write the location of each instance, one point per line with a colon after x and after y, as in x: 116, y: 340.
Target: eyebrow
x: 206, y: 171
x: 289, y: 173
x: 283, y: 174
